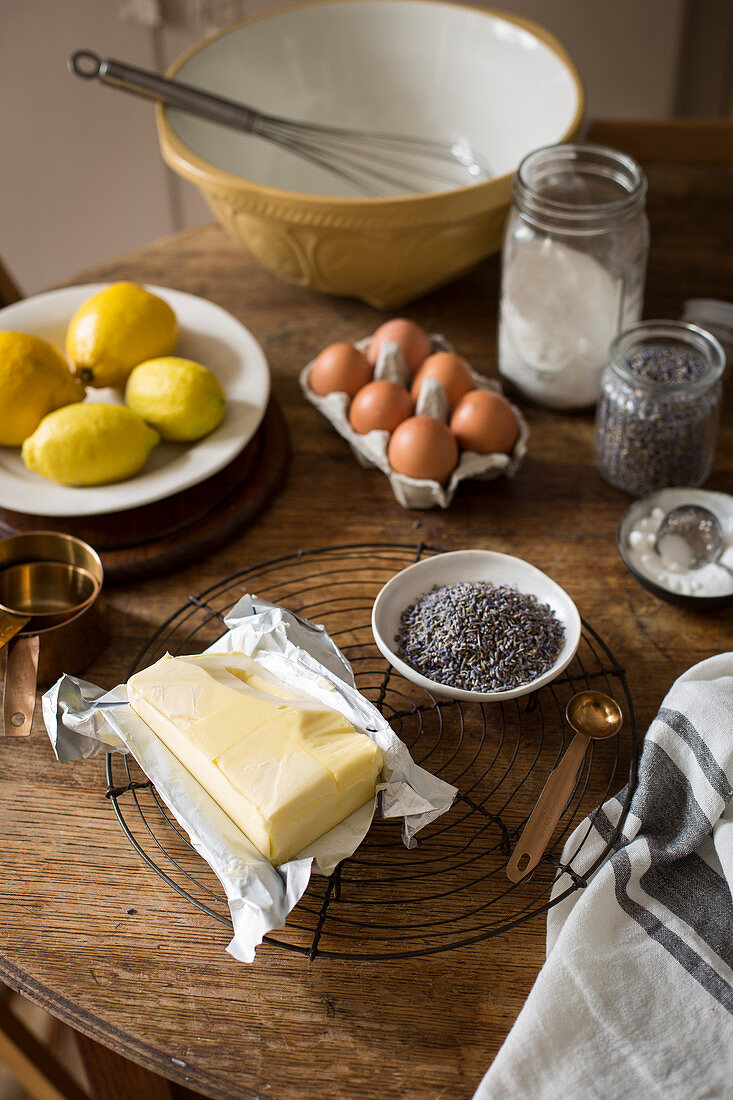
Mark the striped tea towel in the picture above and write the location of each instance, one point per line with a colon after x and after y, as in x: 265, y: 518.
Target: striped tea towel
x: 635, y: 999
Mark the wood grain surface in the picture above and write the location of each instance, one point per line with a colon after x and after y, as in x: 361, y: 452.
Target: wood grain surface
x: 92, y: 934
x: 138, y: 543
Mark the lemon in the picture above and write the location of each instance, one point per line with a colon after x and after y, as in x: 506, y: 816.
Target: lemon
x: 89, y: 444
x: 182, y: 399
x: 115, y: 330
x: 34, y: 379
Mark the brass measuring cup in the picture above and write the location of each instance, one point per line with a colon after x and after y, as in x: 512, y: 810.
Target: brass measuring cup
x: 49, y: 616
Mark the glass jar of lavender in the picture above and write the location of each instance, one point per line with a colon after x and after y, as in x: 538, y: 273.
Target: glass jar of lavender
x: 573, y: 270
x: 657, y: 418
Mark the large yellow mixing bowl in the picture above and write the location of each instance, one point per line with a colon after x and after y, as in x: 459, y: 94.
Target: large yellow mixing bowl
x: 423, y: 67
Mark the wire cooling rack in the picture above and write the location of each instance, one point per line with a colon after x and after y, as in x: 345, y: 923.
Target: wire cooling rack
x: 387, y: 901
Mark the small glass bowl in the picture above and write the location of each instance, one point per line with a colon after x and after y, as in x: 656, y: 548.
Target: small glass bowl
x: 406, y: 587
x: 720, y: 504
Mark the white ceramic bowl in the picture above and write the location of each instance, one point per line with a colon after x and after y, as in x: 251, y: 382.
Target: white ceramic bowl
x: 417, y: 67
x: 422, y: 67
x: 404, y: 589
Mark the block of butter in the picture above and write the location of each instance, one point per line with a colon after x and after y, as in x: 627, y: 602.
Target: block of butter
x: 285, y: 768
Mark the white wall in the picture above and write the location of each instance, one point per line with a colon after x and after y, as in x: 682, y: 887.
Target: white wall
x: 81, y: 177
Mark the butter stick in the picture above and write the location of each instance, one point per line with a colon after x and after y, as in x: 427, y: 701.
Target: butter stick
x: 283, y: 767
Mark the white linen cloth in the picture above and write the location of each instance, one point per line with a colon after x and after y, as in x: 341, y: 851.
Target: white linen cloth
x: 635, y: 998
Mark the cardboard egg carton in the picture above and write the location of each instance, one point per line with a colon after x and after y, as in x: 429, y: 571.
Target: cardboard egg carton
x: 371, y: 449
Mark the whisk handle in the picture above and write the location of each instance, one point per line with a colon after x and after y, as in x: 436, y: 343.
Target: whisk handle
x: 173, y: 93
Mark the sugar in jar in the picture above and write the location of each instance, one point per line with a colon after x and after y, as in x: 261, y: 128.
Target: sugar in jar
x: 573, y: 270
x: 657, y: 417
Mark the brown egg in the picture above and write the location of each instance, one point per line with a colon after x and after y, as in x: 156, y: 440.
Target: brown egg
x: 381, y: 405
x: 412, y: 340
x: 340, y: 368
x: 452, y: 371
x: 485, y: 422
x: 423, y: 447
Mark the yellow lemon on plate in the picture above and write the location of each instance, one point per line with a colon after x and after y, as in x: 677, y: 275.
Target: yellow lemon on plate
x: 34, y: 379
x: 182, y: 399
x: 116, y: 329
x: 89, y: 445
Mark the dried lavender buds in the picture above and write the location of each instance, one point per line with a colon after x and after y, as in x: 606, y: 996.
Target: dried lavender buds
x: 667, y: 364
x: 477, y: 636
x: 658, y: 413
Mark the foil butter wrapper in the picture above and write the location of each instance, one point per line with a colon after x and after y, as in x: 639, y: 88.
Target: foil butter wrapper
x: 371, y: 449
x: 83, y: 721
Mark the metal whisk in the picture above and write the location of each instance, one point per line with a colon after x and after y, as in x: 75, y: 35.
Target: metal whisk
x: 374, y: 162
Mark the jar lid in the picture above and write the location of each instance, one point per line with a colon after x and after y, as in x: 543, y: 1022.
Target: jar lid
x: 714, y: 315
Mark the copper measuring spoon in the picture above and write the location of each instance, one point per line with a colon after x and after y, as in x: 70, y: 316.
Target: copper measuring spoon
x: 592, y: 715
x: 10, y: 625
x: 35, y: 596
x: 44, y: 590
x: 34, y: 589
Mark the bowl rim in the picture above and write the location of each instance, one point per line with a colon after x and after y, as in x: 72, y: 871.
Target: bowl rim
x: 198, y: 170
x: 571, y: 621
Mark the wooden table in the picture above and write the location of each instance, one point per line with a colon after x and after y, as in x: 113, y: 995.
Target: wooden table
x: 92, y: 934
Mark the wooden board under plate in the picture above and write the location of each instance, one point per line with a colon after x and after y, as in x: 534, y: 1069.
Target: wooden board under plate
x: 167, y: 534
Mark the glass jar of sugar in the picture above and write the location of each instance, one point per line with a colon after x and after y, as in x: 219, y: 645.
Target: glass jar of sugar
x: 573, y: 270
x: 657, y: 417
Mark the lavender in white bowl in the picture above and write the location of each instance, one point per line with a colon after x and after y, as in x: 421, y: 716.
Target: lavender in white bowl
x: 535, y: 634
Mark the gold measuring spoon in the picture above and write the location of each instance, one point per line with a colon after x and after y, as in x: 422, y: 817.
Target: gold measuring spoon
x: 592, y: 715
x: 36, y: 595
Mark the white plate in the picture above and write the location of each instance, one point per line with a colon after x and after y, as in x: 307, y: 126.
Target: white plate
x: 404, y: 589
x: 208, y: 334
